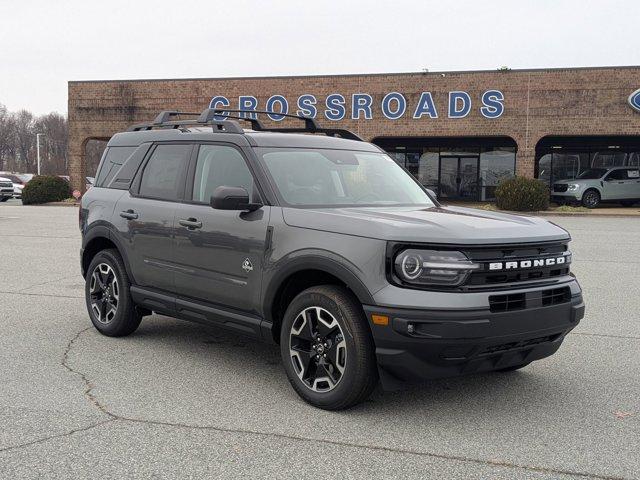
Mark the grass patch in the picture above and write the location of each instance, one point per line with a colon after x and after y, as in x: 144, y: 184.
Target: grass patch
x: 571, y: 209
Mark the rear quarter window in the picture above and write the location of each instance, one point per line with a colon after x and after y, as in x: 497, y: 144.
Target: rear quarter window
x: 112, y: 161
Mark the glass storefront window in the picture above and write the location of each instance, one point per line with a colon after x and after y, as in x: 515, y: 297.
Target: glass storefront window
x: 567, y: 165
x: 496, y: 164
x: 429, y: 168
x: 608, y: 159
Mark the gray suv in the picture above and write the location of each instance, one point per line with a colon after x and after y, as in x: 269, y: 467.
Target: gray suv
x: 596, y: 185
x: 318, y: 241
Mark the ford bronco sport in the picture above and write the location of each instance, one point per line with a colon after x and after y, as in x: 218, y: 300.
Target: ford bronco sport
x: 314, y: 239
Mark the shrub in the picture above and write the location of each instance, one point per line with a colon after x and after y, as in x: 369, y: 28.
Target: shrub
x: 45, y: 188
x: 522, y: 194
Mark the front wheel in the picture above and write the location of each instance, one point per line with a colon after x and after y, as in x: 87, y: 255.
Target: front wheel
x: 109, y: 302
x: 327, y: 349
x: 591, y: 198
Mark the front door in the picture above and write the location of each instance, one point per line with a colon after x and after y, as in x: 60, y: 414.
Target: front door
x: 458, y: 178
x: 219, y: 253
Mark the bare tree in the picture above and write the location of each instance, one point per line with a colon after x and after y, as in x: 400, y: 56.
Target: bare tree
x: 25, y: 139
x: 53, y: 143
x: 18, y: 142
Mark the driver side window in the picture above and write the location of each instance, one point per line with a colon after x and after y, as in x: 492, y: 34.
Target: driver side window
x: 219, y: 165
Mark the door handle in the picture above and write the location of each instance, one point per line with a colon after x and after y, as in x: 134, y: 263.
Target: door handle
x: 191, y: 223
x: 129, y: 214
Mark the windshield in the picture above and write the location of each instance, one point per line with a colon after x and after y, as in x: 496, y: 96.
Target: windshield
x: 306, y: 177
x: 592, y: 174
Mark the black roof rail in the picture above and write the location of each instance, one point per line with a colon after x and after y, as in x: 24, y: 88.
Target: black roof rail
x: 310, y: 124
x: 211, y: 116
x: 227, y: 126
x: 166, y: 115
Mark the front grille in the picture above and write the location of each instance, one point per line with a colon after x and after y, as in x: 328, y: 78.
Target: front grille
x: 486, y: 278
x: 560, y: 187
x: 6, y: 185
x: 520, y: 301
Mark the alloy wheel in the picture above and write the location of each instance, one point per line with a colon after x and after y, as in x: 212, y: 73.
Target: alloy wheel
x: 591, y: 199
x: 318, y: 349
x: 105, y: 293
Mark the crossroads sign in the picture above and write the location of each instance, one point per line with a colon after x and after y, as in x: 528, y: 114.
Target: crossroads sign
x: 360, y: 106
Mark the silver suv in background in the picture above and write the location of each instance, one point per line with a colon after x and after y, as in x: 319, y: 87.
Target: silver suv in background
x: 596, y: 185
x: 6, y: 189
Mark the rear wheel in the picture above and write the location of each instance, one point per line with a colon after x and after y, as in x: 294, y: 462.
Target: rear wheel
x: 327, y: 349
x: 109, y: 302
x: 4, y: 199
x: 591, y: 198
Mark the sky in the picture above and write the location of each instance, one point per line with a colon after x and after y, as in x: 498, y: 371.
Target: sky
x: 44, y: 44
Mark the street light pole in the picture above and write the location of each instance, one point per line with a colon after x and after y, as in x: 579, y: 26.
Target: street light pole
x: 38, y: 149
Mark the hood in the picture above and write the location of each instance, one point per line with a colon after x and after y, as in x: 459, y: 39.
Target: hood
x: 455, y: 225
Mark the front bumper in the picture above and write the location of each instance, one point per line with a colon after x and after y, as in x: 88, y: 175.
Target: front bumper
x: 574, y: 196
x: 420, y: 344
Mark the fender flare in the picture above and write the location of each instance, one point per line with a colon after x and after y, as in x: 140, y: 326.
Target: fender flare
x: 315, y: 261
x: 105, y: 231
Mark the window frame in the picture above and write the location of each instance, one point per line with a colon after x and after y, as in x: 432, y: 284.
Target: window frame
x: 612, y: 172
x: 134, y: 191
x: 193, y: 164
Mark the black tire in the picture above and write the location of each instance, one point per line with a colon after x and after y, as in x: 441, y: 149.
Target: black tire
x: 4, y: 199
x: 125, y: 319
x: 628, y: 203
x: 513, y: 368
x: 591, y: 198
x: 349, y: 344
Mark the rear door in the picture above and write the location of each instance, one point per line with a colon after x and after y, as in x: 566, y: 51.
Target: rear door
x: 145, y: 215
x: 219, y: 253
x: 632, y: 184
x: 615, y: 185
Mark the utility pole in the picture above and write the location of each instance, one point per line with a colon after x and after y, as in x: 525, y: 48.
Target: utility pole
x: 38, y: 149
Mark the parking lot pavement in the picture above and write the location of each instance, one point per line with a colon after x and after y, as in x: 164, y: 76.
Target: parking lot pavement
x: 176, y: 399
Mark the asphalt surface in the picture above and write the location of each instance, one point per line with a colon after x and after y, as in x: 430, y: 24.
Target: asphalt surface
x: 178, y: 400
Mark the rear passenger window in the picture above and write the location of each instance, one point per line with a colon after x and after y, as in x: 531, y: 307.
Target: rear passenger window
x: 163, y: 173
x: 114, y: 158
x: 618, y: 175
x: 219, y: 165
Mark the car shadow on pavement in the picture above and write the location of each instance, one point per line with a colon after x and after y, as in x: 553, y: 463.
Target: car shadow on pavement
x: 246, y: 360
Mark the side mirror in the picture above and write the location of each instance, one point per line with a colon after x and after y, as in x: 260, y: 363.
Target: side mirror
x: 232, y: 198
x: 432, y: 193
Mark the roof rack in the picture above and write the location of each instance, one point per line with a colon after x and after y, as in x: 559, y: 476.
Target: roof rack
x: 212, y: 117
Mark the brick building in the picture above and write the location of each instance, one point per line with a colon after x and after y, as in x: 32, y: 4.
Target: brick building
x: 458, y: 132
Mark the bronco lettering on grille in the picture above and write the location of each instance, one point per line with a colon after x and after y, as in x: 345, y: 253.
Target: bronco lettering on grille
x: 520, y: 264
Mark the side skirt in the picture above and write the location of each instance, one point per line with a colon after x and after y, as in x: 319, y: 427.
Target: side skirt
x: 202, y: 313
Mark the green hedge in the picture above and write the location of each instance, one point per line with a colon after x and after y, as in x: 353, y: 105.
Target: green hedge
x: 44, y: 189
x: 522, y: 194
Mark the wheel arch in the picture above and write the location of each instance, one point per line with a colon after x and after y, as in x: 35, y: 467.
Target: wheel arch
x: 97, y: 239
x: 301, y: 274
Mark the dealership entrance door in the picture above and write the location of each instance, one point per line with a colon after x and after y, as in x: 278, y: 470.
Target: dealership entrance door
x: 459, y: 177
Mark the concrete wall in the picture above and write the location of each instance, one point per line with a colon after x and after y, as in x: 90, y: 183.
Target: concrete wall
x: 591, y: 101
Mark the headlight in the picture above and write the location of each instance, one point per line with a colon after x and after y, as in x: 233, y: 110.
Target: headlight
x: 572, y: 187
x: 432, y: 267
